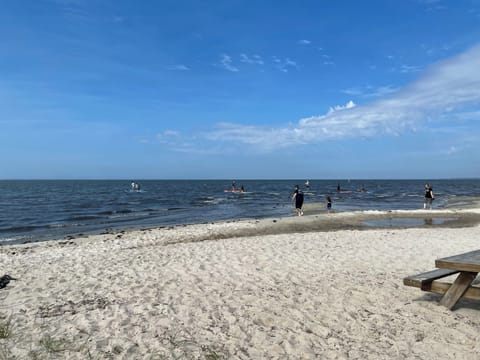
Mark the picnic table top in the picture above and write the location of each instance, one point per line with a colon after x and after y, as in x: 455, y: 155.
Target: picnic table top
x: 469, y: 261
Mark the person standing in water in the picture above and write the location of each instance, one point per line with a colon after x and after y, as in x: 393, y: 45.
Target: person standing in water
x: 329, y: 204
x: 297, y: 196
x: 428, y: 199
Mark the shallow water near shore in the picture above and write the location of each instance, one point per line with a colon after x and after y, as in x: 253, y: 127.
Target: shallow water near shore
x: 407, y: 222
x: 40, y: 210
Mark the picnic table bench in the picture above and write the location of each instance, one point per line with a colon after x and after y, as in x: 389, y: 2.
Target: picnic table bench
x: 467, y: 266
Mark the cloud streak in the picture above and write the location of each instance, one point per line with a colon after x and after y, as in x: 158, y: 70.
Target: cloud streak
x: 284, y: 64
x: 445, y: 89
x: 227, y: 63
x: 179, y: 67
x: 254, y: 59
x: 304, y: 42
x: 370, y: 92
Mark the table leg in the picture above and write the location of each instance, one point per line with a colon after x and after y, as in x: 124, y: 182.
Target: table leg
x: 458, y: 288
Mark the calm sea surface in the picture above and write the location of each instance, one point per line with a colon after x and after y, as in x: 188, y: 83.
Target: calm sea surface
x: 40, y: 210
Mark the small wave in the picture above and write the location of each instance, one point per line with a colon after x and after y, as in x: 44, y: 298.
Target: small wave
x: 204, y: 201
x: 9, y: 240
x: 15, y: 229
x: 213, y: 201
x: 175, y: 208
x: 383, y: 196
x: 131, y: 214
x: 155, y: 211
x: 113, y: 212
x: 123, y: 211
x: 59, y: 226
x: 84, y: 217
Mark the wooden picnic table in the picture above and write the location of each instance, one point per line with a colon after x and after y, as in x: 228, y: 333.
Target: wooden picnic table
x: 467, y: 266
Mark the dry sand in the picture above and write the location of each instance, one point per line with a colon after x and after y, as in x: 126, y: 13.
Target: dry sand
x: 270, y: 289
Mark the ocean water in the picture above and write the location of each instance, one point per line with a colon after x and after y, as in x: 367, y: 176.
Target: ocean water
x: 39, y: 210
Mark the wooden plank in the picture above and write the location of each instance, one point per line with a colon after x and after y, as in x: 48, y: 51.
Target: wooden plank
x: 420, y: 280
x: 469, y: 261
x: 458, y: 289
x: 439, y: 287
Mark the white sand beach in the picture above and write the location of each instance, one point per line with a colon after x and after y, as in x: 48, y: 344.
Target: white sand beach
x: 233, y: 290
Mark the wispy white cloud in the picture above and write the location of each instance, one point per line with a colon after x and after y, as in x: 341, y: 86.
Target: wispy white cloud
x: 170, y: 133
x: 179, y: 67
x: 304, y: 42
x: 348, y: 105
x: 452, y: 150
x: 284, y: 65
x: 445, y: 89
x: 328, y: 60
x: 355, y: 91
x: 467, y: 115
x: 168, y: 136
x: 370, y: 91
x: 409, y: 69
x: 253, y: 59
x: 281, y: 64
x: 227, y: 63
x: 182, y: 143
x: 260, y: 137
x: 268, y: 138
x: 75, y: 10
x: 435, y: 51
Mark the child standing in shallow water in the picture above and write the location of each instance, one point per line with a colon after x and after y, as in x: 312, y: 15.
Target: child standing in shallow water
x: 329, y: 204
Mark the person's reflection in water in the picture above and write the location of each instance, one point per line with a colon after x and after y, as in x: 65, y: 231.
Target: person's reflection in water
x: 428, y: 221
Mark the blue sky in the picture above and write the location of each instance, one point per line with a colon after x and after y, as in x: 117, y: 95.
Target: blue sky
x: 234, y: 89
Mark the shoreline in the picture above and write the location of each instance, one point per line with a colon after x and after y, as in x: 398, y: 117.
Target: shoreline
x: 461, y: 212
